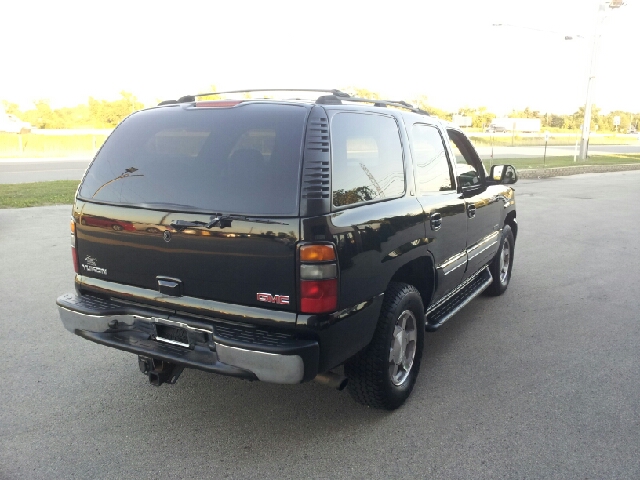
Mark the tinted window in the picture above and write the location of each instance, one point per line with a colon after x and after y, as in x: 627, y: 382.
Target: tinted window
x: 433, y: 173
x: 367, y: 158
x: 243, y: 160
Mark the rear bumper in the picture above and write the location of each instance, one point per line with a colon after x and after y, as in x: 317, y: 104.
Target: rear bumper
x: 226, y: 348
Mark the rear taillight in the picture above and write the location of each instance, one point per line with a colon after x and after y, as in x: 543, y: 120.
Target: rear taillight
x: 318, y: 278
x: 74, y: 255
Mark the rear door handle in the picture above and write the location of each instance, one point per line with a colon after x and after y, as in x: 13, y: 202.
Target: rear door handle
x: 436, y: 221
x: 471, y: 210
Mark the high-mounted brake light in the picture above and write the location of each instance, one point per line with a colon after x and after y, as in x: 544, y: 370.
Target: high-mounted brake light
x: 318, y: 278
x: 74, y: 254
x: 218, y: 103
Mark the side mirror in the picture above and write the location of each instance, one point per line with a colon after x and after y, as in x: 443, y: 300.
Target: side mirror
x: 504, y: 174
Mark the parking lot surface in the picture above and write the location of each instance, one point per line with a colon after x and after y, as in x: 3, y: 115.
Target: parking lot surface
x: 543, y: 382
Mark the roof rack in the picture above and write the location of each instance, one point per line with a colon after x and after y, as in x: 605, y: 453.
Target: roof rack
x: 333, y: 91
x: 335, y: 100
x: 192, y: 98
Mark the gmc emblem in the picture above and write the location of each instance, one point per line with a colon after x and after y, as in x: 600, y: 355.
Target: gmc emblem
x: 267, y: 297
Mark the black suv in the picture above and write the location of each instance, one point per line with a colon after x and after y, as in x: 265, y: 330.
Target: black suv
x: 276, y: 240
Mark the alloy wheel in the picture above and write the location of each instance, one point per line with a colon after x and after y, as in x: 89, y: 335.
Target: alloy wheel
x: 403, y: 347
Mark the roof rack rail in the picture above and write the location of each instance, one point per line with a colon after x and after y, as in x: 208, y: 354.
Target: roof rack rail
x: 329, y: 100
x: 192, y: 98
x: 335, y: 98
x: 333, y: 91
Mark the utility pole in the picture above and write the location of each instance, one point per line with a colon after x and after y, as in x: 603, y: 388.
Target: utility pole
x: 586, y: 124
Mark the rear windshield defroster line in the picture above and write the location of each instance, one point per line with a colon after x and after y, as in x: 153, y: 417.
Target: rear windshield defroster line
x: 244, y: 160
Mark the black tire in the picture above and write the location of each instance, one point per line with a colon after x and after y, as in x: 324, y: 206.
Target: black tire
x: 501, y: 277
x: 370, y: 371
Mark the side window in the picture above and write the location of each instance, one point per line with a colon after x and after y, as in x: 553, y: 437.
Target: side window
x: 367, y: 158
x: 468, y: 173
x: 433, y: 172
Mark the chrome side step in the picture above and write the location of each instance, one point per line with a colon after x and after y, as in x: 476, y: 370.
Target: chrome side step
x: 448, y: 306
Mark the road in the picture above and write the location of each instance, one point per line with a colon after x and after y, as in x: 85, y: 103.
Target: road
x: 43, y: 169
x: 25, y: 170
x: 543, y: 382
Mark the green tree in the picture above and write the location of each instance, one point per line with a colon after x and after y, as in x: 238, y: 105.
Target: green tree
x: 355, y: 195
x: 364, y: 93
x: 212, y: 88
x: 556, y: 121
x: 43, y: 116
x: 422, y: 103
x: 11, y: 108
x: 106, y: 114
x: 480, y: 116
x: 526, y: 113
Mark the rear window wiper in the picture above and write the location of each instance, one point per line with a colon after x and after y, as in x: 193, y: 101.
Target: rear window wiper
x: 221, y: 221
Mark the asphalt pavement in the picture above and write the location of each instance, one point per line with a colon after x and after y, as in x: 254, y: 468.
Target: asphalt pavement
x: 543, y: 382
x: 23, y: 170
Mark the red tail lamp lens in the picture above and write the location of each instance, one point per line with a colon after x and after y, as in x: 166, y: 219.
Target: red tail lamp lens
x: 75, y: 259
x: 72, y: 225
x: 319, y: 296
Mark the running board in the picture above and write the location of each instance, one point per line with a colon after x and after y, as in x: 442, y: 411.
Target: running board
x: 448, y: 306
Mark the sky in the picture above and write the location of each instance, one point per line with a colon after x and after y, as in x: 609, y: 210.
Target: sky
x: 449, y: 51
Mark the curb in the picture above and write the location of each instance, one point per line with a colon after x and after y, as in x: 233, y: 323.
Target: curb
x: 577, y: 170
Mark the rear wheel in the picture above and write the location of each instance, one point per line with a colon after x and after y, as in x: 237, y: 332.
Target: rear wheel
x: 384, y: 373
x: 500, y: 266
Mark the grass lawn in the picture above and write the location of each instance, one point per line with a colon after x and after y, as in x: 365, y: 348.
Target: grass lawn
x: 505, y: 140
x: 539, y: 162
x: 18, y: 195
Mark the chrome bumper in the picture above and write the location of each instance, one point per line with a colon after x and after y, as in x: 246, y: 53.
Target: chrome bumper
x: 136, y: 333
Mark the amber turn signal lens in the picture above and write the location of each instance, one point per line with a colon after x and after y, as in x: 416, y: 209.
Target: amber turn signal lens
x: 317, y: 253
x: 73, y: 227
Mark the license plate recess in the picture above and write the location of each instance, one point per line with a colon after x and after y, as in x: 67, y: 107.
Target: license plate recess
x: 171, y: 334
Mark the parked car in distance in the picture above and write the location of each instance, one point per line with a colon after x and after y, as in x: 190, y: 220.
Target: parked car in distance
x: 523, y: 125
x: 495, y: 129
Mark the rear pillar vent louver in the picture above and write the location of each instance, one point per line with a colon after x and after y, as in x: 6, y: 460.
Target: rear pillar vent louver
x: 316, y: 176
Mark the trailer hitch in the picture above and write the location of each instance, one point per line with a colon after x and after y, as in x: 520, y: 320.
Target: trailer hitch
x: 159, y: 371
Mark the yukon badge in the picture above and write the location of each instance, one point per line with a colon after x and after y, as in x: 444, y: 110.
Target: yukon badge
x: 89, y: 265
x: 267, y: 297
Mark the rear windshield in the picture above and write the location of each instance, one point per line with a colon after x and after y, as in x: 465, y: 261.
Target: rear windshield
x: 243, y: 160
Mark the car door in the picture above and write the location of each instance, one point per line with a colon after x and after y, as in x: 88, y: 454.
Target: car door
x: 483, y: 205
x: 446, y: 220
